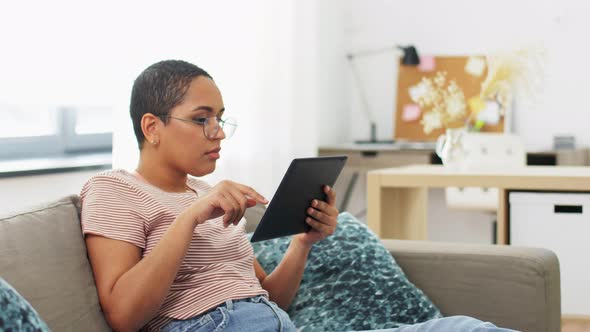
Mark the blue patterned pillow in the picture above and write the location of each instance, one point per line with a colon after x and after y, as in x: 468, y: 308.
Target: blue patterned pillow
x: 350, y: 282
x: 16, y: 314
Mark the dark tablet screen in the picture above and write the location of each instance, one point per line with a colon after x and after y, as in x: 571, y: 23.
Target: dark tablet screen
x: 301, y: 184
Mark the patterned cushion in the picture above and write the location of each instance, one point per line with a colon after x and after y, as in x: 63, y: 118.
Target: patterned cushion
x: 16, y: 314
x: 351, y: 282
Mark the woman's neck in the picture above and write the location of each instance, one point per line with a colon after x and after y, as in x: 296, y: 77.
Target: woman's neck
x: 161, y: 176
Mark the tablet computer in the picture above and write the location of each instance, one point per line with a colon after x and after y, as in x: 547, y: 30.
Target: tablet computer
x: 302, y: 183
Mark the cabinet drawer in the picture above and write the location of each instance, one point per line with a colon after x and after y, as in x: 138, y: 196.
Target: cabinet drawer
x: 559, y: 222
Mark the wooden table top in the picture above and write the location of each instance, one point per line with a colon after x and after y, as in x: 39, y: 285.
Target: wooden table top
x: 575, y: 178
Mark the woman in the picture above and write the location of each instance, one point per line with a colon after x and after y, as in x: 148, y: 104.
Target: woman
x: 168, y: 251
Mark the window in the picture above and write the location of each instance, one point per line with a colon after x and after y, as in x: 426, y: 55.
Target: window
x: 34, y: 121
x: 41, y: 131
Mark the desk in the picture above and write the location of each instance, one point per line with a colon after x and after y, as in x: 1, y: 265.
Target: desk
x: 398, y: 197
x: 366, y: 157
x: 351, y: 184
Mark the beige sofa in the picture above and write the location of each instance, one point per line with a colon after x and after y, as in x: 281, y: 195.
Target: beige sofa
x: 42, y: 254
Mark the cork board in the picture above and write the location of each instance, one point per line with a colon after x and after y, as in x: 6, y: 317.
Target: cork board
x: 410, y: 76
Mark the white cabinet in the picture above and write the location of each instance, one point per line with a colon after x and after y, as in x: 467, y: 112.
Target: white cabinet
x: 559, y: 222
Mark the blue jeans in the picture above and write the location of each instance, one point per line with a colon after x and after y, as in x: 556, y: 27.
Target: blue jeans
x: 260, y: 314
x: 451, y: 323
x: 251, y: 314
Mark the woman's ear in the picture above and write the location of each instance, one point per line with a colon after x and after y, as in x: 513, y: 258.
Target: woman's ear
x: 150, y: 126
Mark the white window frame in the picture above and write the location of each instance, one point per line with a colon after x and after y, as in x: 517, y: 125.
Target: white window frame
x: 65, y: 142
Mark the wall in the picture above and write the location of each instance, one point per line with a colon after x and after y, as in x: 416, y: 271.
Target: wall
x: 333, y: 105
x: 458, y: 27
x: 24, y: 191
x: 279, y: 67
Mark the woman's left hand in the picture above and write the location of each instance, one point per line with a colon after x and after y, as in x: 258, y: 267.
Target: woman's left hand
x: 322, y: 219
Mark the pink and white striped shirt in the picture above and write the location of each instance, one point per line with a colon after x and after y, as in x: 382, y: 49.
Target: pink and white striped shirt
x: 219, y: 264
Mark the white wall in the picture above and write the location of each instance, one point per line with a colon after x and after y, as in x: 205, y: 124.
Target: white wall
x: 333, y: 105
x: 276, y: 64
x: 18, y: 193
x: 460, y: 27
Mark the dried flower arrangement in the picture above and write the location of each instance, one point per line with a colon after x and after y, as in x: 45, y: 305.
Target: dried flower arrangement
x: 444, y: 103
x: 444, y: 99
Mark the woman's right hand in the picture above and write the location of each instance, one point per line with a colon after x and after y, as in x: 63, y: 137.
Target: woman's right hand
x: 228, y: 199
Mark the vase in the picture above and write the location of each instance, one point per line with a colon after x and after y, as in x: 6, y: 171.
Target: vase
x: 449, y: 147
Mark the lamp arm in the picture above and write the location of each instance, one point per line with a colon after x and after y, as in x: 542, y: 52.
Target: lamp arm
x: 359, y: 84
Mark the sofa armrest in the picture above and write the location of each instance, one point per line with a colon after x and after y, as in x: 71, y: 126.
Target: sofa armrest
x: 512, y: 287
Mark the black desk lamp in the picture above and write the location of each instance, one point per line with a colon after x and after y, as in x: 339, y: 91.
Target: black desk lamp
x: 410, y: 58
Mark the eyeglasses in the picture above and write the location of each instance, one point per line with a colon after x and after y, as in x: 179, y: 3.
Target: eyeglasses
x: 211, y: 125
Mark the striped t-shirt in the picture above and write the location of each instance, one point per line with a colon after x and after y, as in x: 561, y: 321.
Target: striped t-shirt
x: 219, y: 264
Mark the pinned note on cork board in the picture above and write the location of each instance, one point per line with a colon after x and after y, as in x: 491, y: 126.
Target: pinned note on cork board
x: 448, y: 83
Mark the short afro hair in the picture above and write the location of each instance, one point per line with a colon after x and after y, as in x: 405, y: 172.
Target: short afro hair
x: 159, y: 88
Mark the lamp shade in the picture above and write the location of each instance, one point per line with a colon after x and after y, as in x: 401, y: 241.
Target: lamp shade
x: 410, y: 57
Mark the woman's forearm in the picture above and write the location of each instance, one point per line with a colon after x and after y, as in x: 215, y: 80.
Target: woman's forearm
x: 138, y: 294
x: 282, y: 284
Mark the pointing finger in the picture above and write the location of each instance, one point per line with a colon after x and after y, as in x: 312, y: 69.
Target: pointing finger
x: 252, y: 193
